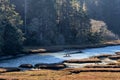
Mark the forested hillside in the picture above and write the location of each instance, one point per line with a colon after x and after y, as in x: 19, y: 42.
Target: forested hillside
x: 61, y: 16
x: 57, y: 22
x: 105, y: 10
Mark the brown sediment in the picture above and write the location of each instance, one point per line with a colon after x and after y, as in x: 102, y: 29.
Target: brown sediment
x: 102, y: 56
x: 88, y: 60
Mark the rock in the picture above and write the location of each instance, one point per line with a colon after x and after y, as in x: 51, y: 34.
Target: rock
x: 50, y: 66
x: 26, y: 66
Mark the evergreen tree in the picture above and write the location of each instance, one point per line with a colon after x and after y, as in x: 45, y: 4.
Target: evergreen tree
x: 42, y: 20
x: 11, y: 36
x: 74, y: 23
x: 57, y: 22
x: 95, y: 38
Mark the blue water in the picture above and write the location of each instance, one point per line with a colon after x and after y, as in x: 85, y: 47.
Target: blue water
x: 57, y: 57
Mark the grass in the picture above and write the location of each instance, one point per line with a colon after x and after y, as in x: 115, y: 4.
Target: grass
x: 87, y: 60
x: 103, y: 66
x: 59, y: 75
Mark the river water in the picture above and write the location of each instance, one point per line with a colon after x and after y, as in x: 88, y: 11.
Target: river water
x: 58, y: 56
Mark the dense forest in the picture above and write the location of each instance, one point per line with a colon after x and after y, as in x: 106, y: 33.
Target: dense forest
x: 56, y: 22
x: 103, y: 10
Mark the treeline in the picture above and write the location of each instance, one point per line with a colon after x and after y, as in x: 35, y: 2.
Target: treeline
x: 49, y: 22
x: 56, y: 22
x: 105, y: 10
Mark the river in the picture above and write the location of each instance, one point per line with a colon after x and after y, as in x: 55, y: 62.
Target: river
x: 57, y: 56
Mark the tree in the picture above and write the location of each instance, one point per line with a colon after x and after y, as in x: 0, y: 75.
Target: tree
x: 11, y: 36
x: 42, y: 22
x: 94, y: 38
x: 74, y: 23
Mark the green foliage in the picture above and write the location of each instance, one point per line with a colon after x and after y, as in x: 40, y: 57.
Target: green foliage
x: 94, y: 38
x: 74, y: 23
x: 104, y: 10
x: 13, y: 39
x: 56, y: 22
x: 11, y: 36
x: 42, y: 22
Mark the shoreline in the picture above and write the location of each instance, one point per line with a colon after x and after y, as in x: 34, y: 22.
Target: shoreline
x: 92, y: 64
x: 41, y: 49
x: 108, y: 67
x: 51, y: 49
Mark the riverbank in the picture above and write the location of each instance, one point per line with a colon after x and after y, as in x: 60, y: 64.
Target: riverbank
x: 51, y: 49
x: 102, y: 69
x: 39, y: 49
